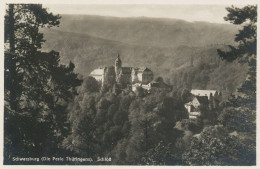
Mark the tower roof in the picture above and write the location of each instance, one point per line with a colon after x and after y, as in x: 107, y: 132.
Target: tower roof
x: 118, y: 60
x: 118, y: 57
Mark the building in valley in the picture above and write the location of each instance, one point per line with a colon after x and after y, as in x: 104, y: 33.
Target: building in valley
x: 203, y: 100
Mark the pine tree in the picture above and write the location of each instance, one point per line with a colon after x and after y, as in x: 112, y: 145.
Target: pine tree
x: 37, y: 87
x: 245, y: 52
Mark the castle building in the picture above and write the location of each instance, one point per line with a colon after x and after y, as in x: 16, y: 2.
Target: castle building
x: 123, y: 75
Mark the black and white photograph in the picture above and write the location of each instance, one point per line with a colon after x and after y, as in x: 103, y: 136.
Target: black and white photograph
x: 129, y: 84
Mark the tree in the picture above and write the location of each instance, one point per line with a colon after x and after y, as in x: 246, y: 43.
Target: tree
x: 152, y: 121
x: 233, y: 142
x: 237, y: 119
x: 21, y: 32
x: 89, y: 84
x: 215, y: 146
x: 37, y: 87
x: 186, y: 96
x: 245, y: 52
x: 159, y: 79
x: 161, y: 154
x: 81, y: 140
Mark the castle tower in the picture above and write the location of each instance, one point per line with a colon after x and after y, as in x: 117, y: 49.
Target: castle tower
x: 118, y: 65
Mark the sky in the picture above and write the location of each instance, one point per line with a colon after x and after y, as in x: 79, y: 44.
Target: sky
x: 207, y: 13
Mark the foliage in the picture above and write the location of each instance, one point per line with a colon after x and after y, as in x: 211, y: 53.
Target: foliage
x: 246, y: 37
x: 243, y: 116
x: 195, y: 126
x: 209, y: 74
x: 215, y: 146
x: 246, y: 50
x: 90, y: 84
x: 238, y: 119
x: 37, y: 87
x: 125, y: 126
x: 160, y: 155
x: 234, y: 141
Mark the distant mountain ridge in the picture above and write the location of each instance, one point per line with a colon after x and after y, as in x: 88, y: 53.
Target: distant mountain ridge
x: 146, y: 31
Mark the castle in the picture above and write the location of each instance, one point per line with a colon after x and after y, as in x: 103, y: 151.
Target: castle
x: 123, y: 75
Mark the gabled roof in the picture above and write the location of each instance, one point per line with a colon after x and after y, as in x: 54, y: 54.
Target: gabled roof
x: 188, y: 104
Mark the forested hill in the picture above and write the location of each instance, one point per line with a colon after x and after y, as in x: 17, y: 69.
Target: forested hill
x: 150, y: 31
x: 164, y: 45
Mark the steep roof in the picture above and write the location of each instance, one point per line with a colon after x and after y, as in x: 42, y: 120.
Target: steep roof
x: 98, y: 71
x: 118, y: 60
x: 188, y: 104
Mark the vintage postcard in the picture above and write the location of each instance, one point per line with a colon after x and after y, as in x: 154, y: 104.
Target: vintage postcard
x: 127, y: 83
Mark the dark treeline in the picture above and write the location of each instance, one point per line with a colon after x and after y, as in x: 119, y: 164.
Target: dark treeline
x: 50, y: 111
x: 37, y: 87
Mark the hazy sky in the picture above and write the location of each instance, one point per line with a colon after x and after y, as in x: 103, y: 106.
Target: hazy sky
x: 208, y: 13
